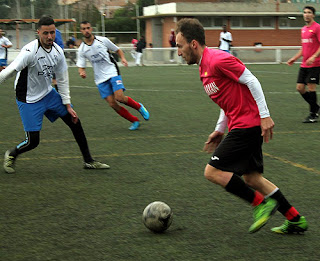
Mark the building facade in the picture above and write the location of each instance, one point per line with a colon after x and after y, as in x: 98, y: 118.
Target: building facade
x: 271, y: 23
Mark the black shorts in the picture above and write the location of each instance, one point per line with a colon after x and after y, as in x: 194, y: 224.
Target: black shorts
x: 309, y: 75
x: 240, y: 152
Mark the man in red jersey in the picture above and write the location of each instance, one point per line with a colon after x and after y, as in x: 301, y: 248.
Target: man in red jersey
x: 238, y: 92
x: 310, y: 67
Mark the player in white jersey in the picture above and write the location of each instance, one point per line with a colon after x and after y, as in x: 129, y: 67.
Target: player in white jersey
x: 35, y: 96
x: 107, y: 77
x: 225, y: 40
x: 4, y: 45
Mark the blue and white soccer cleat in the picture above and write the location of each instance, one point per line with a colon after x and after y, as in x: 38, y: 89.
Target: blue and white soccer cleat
x: 143, y: 111
x: 135, y: 125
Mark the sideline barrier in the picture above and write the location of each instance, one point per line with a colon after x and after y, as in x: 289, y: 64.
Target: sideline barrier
x: 161, y: 56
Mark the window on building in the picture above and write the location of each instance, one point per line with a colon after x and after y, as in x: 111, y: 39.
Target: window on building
x: 252, y: 22
x: 235, y: 22
x: 211, y: 22
x: 267, y: 21
x: 291, y: 22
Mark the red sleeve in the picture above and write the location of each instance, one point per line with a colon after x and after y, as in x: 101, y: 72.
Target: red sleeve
x: 231, y: 67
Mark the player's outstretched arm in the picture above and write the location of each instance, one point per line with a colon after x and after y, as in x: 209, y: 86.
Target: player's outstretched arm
x: 7, y: 73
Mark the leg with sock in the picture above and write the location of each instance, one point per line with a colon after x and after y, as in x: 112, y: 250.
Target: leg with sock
x: 139, y: 107
x: 295, y: 222
x: 314, y: 107
x: 132, y: 103
x: 32, y: 141
x: 311, y: 98
x: 80, y: 137
x: 306, y: 97
x: 239, y: 188
x: 263, y: 209
x: 123, y: 112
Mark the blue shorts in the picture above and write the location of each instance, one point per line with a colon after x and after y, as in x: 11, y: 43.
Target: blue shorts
x: 32, y: 113
x: 3, y: 62
x: 107, y: 88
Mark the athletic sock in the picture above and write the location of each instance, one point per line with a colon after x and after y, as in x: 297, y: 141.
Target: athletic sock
x: 284, y: 206
x: 239, y: 188
x: 79, y: 136
x: 133, y: 104
x: 32, y: 141
x: 314, y: 107
x: 123, y: 112
x: 306, y: 96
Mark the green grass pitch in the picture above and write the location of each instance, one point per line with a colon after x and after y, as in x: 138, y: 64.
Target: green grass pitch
x: 52, y: 209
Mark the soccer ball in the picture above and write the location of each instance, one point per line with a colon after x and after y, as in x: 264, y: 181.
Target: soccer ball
x: 157, y: 216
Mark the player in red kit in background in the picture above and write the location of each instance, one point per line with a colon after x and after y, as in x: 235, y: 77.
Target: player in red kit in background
x: 238, y: 92
x: 310, y: 67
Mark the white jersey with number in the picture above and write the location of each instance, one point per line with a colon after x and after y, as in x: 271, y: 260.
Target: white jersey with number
x: 3, y: 51
x: 36, y: 66
x: 104, y: 66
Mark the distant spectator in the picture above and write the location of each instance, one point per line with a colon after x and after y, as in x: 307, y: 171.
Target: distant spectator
x: 71, y: 54
x: 71, y: 41
x: 139, y: 50
x: 150, y: 45
x: 225, y: 40
x: 172, y: 42
x: 134, y: 46
x: 4, y: 45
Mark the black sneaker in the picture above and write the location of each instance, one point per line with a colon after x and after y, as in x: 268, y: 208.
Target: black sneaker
x: 312, y: 118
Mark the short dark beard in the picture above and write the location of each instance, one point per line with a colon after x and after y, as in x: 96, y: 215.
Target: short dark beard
x: 193, y: 59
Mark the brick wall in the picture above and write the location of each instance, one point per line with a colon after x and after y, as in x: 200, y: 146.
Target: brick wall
x: 166, y: 30
x: 249, y: 37
x: 276, y: 37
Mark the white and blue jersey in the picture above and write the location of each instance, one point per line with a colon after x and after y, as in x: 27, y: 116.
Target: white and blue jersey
x: 98, y: 54
x: 35, y: 66
x: 35, y: 96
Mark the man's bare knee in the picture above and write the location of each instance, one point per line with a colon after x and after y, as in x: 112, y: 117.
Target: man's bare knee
x: 217, y: 176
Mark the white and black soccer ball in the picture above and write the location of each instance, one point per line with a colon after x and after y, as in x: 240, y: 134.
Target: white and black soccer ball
x: 157, y: 216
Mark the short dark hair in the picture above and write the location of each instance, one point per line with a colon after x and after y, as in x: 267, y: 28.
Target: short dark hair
x: 191, y: 29
x: 310, y: 8
x: 85, y: 22
x: 45, y: 20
